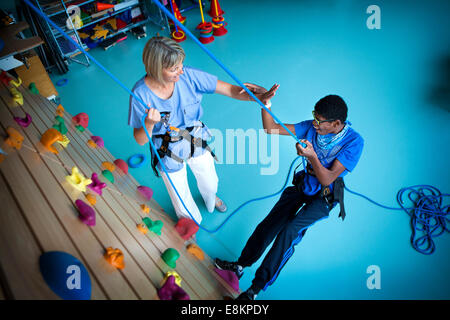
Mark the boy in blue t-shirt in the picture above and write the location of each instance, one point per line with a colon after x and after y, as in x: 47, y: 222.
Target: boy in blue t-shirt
x: 332, y: 150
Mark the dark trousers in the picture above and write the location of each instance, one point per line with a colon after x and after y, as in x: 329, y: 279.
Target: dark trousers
x: 287, y: 225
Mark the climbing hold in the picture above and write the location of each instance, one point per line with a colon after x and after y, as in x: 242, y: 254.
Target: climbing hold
x: 23, y: 122
x: 60, y: 125
x: 146, y: 192
x: 170, y: 291
x: 96, y: 184
x: 2, y: 157
x: 65, y: 275
x: 170, y: 256
x: 80, y: 128
x: 154, y: 226
x: 122, y: 165
x: 145, y: 208
x: 81, y: 119
x: 14, y: 138
x: 108, y: 175
x: 60, y: 111
x: 98, y: 141
x: 142, y: 228
x: 229, y: 277
x: 5, y: 78
x: 49, y: 138
x: 91, y: 143
x: 108, y: 166
x: 87, y: 214
x: 186, y: 228
x: 16, y: 83
x: 33, y: 88
x: 196, y: 251
x: 115, y: 257
x: 174, y: 274
x: 64, y: 142
x: 77, y: 180
x: 91, y: 199
x: 142, y: 160
x: 17, y: 96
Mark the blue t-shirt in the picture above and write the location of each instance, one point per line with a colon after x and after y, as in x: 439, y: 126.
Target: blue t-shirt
x: 348, y: 151
x: 184, y: 107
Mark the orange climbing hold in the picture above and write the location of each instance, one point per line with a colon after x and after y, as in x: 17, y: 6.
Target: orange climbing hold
x: 91, y: 199
x: 195, y: 251
x: 142, y: 228
x: 60, y: 111
x: 115, y: 257
x: 145, y: 208
x: 109, y: 166
x: 92, y: 144
x: 49, y: 138
x: 14, y: 138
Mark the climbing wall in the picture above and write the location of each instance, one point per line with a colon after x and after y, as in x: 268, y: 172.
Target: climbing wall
x: 38, y: 215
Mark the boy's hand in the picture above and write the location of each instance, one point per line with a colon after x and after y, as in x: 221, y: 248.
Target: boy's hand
x: 307, y: 152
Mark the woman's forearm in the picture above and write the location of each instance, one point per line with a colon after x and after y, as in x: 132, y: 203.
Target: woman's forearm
x: 140, y: 136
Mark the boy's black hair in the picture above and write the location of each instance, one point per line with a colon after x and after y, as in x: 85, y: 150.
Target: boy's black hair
x: 332, y: 107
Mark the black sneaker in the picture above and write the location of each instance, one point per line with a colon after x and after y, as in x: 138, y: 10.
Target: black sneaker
x: 231, y: 266
x: 247, y: 295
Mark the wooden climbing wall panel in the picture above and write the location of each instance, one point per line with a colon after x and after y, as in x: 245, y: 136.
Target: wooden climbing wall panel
x: 38, y: 215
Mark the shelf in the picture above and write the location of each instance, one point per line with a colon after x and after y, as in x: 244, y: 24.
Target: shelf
x: 68, y: 4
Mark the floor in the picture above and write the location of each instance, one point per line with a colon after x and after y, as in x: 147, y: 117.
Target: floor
x: 395, y: 81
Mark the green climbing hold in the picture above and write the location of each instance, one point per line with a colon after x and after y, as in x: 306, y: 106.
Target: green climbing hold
x: 80, y: 128
x: 154, y: 226
x: 170, y: 256
x: 33, y: 88
x: 60, y: 125
x: 108, y: 175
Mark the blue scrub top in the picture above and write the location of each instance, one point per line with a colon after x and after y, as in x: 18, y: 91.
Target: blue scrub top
x: 185, y: 111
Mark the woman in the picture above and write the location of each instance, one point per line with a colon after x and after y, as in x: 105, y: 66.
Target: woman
x: 173, y: 94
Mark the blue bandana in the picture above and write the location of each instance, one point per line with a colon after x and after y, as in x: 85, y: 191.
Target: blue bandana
x: 328, y: 141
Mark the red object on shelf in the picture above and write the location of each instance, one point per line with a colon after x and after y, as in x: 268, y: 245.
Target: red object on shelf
x: 103, y: 6
x: 120, y: 23
x: 215, y: 9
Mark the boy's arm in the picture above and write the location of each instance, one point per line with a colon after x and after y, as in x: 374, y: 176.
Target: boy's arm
x: 271, y: 127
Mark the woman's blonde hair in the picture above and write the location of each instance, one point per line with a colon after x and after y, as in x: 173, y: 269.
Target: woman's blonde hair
x: 161, y: 53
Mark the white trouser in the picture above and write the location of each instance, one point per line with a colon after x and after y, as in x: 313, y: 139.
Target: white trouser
x: 207, y: 182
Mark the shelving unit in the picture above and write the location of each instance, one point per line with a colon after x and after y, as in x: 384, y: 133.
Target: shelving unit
x: 62, y: 12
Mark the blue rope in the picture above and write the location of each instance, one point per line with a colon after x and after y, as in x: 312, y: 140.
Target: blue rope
x: 429, y: 217
x: 427, y: 214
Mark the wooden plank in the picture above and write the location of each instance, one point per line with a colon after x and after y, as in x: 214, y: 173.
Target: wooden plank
x: 113, y: 282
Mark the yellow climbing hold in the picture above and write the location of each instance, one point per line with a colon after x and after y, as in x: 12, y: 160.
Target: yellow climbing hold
x: 64, y: 142
x: 176, y: 276
x: 77, y: 180
x: 17, y: 96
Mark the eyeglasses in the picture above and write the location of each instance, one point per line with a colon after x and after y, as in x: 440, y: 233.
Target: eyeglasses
x: 320, y: 121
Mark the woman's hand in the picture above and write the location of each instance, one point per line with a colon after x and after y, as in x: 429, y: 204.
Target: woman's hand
x: 307, y: 152
x: 260, y: 92
x: 153, y: 117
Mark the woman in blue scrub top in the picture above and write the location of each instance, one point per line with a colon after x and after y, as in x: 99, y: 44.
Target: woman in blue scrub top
x: 173, y: 94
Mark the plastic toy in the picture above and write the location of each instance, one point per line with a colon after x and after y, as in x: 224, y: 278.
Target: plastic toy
x: 14, y: 139
x: 229, y: 277
x: 62, y: 82
x: 65, y: 275
x: 60, y: 110
x: 122, y: 165
x: 5, y: 78
x: 17, y: 96
x: 142, y: 228
x: 60, y: 125
x: 23, y: 122
x: 87, y: 214
x: 170, y: 256
x: 108, y: 166
x: 64, y: 142
x: 154, y: 226
x: 145, y: 208
x: 108, y: 175
x: 115, y: 257
x: 146, y: 192
x: 218, y: 21
x: 174, y: 274
x: 186, y: 228
x: 98, y: 141
x: 141, y: 156
x: 49, y: 138
x: 103, y: 6
x: 215, y: 9
x: 96, y: 184
x: 177, y: 35
x: 206, y: 28
x: 170, y: 291
x: 77, y: 180
x: 91, y: 199
x: 195, y: 251
x: 81, y: 119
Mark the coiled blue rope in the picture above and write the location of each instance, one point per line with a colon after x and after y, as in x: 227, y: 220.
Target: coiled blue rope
x: 427, y: 215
